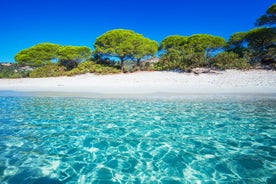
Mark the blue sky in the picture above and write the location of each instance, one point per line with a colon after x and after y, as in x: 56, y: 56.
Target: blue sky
x: 24, y: 23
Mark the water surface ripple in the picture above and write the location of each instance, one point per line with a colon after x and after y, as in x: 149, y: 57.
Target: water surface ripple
x: 85, y: 140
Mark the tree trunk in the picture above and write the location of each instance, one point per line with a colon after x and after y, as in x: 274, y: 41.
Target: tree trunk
x: 139, y: 63
x: 122, y: 65
x: 207, y: 57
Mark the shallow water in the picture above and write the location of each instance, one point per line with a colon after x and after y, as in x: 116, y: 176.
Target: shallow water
x: 186, y: 140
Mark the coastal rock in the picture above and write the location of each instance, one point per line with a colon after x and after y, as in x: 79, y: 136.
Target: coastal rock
x: 200, y: 70
x: 26, y: 68
x: 5, y: 64
x: 263, y: 67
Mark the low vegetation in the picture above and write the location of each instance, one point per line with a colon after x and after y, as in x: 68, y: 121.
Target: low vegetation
x: 13, y: 71
x: 49, y: 70
x: 229, y: 60
x: 91, y: 67
x: 55, y: 70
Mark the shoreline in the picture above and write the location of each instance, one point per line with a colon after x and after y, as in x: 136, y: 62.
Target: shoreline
x: 207, y: 97
x: 149, y: 84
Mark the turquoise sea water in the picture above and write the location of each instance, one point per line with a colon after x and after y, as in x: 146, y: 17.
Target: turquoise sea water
x: 187, y: 140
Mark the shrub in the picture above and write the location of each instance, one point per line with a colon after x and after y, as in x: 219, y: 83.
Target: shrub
x: 13, y: 71
x: 91, y: 67
x: 49, y: 70
x: 7, y: 71
x: 172, y: 60
x: 55, y: 70
x: 180, y: 60
x: 270, y: 58
x: 229, y: 60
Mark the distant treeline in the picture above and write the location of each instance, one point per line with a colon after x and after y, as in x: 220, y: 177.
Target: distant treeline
x: 127, y: 51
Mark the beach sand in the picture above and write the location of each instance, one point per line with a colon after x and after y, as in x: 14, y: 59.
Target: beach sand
x: 150, y: 83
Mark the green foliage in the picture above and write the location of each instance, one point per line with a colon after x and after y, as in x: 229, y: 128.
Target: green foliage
x: 116, y: 43
x: 48, y: 70
x: 229, y: 60
x: 237, y: 44
x: 37, y: 55
x: 174, y: 42
x: 175, y: 59
x: 124, y: 44
x: 71, y: 56
x: 269, y: 18
x: 77, y: 53
x: 195, y: 59
x: 270, y: 58
x: 237, y: 39
x: 271, y: 10
x: 257, y: 44
x: 143, y: 47
x: 7, y: 71
x: 260, y: 39
x: 194, y: 43
x: 205, y: 42
x: 55, y: 70
x: 172, y: 60
x: 44, y: 53
x: 13, y: 71
x: 271, y: 53
x: 91, y: 67
x: 178, y: 53
x: 182, y: 52
x: 253, y: 44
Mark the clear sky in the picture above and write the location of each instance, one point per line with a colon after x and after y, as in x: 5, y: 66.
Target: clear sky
x: 24, y: 23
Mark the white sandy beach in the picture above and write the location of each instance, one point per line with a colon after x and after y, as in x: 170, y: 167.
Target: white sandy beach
x: 225, y: 82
